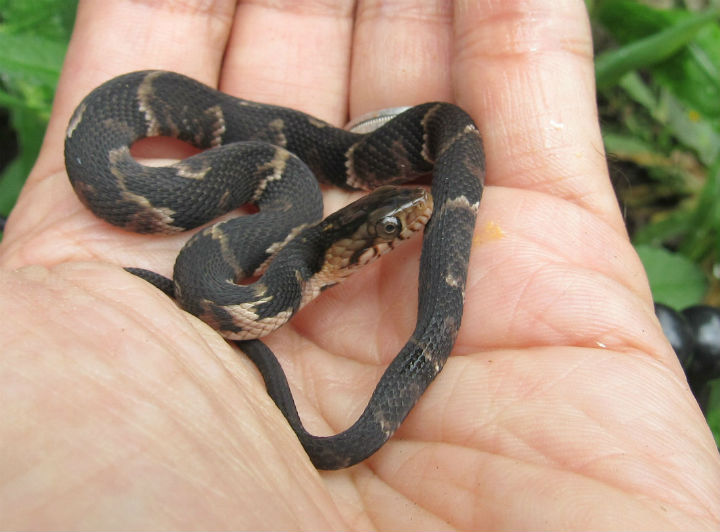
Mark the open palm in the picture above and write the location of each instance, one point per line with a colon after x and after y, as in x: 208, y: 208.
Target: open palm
x: 561, y: 407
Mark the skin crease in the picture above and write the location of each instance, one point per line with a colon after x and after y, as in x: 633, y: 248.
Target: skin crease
x: 562, y: 406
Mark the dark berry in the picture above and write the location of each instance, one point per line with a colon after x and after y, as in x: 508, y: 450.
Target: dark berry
x: 678, y: 332
x: 704, y: 322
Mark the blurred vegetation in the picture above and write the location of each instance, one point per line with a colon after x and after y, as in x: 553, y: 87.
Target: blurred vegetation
x: 33, y: 39
x: 658, y: 74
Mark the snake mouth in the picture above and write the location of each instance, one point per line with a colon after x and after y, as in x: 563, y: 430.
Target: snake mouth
x: 416, y: 213
x: 400, y: 213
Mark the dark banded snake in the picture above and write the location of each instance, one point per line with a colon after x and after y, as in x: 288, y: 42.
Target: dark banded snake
x: 274, y: 157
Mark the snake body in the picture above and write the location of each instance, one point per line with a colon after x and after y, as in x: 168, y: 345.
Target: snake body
x: 274, y: 157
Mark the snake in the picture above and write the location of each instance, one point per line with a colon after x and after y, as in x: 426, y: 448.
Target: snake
x: 276, y: 158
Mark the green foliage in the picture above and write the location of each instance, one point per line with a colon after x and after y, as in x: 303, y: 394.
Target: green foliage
x: 713, y: 409
x: 642, y: 52
x: 33, y: 39
x: 675, y: 280
x: 658, y: 75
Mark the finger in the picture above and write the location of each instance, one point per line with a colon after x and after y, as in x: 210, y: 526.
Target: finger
x: 401, y: 54
x: 524, y: 70
x: 119, y: 36
x: 290, y: 53
x: 543, y: 275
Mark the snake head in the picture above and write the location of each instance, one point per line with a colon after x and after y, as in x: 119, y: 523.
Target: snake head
x: 373, y: 225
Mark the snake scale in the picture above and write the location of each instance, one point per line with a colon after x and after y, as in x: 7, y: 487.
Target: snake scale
x: 274, y: 157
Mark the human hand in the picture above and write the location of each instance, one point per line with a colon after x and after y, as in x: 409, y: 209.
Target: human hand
x: 562, y: 406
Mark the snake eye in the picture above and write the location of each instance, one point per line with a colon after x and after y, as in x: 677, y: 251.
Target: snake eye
x: 388, y: 227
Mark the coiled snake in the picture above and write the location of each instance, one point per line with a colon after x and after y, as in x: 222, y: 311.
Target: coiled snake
x: 256, y: 153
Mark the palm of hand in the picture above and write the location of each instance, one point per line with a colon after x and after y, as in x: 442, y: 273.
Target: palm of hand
x: 549, y: 403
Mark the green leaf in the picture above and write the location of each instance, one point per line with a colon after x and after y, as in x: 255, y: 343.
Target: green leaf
x: 28, y: 57
x: 696, y: 132
x: 674, y: 279
x: 33, y: 40
x: 51, y: 19
x: 693, y: 75
x: 675, y: 225
x: 630, y: 148
x: 611, y: 66
x: 713, y: 409
x: 705, y: 234
x: 689, y: 127
x: 629, y: 20
x: 639, y: 91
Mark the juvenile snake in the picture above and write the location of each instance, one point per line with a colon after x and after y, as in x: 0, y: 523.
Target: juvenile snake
x: 274, y: 157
